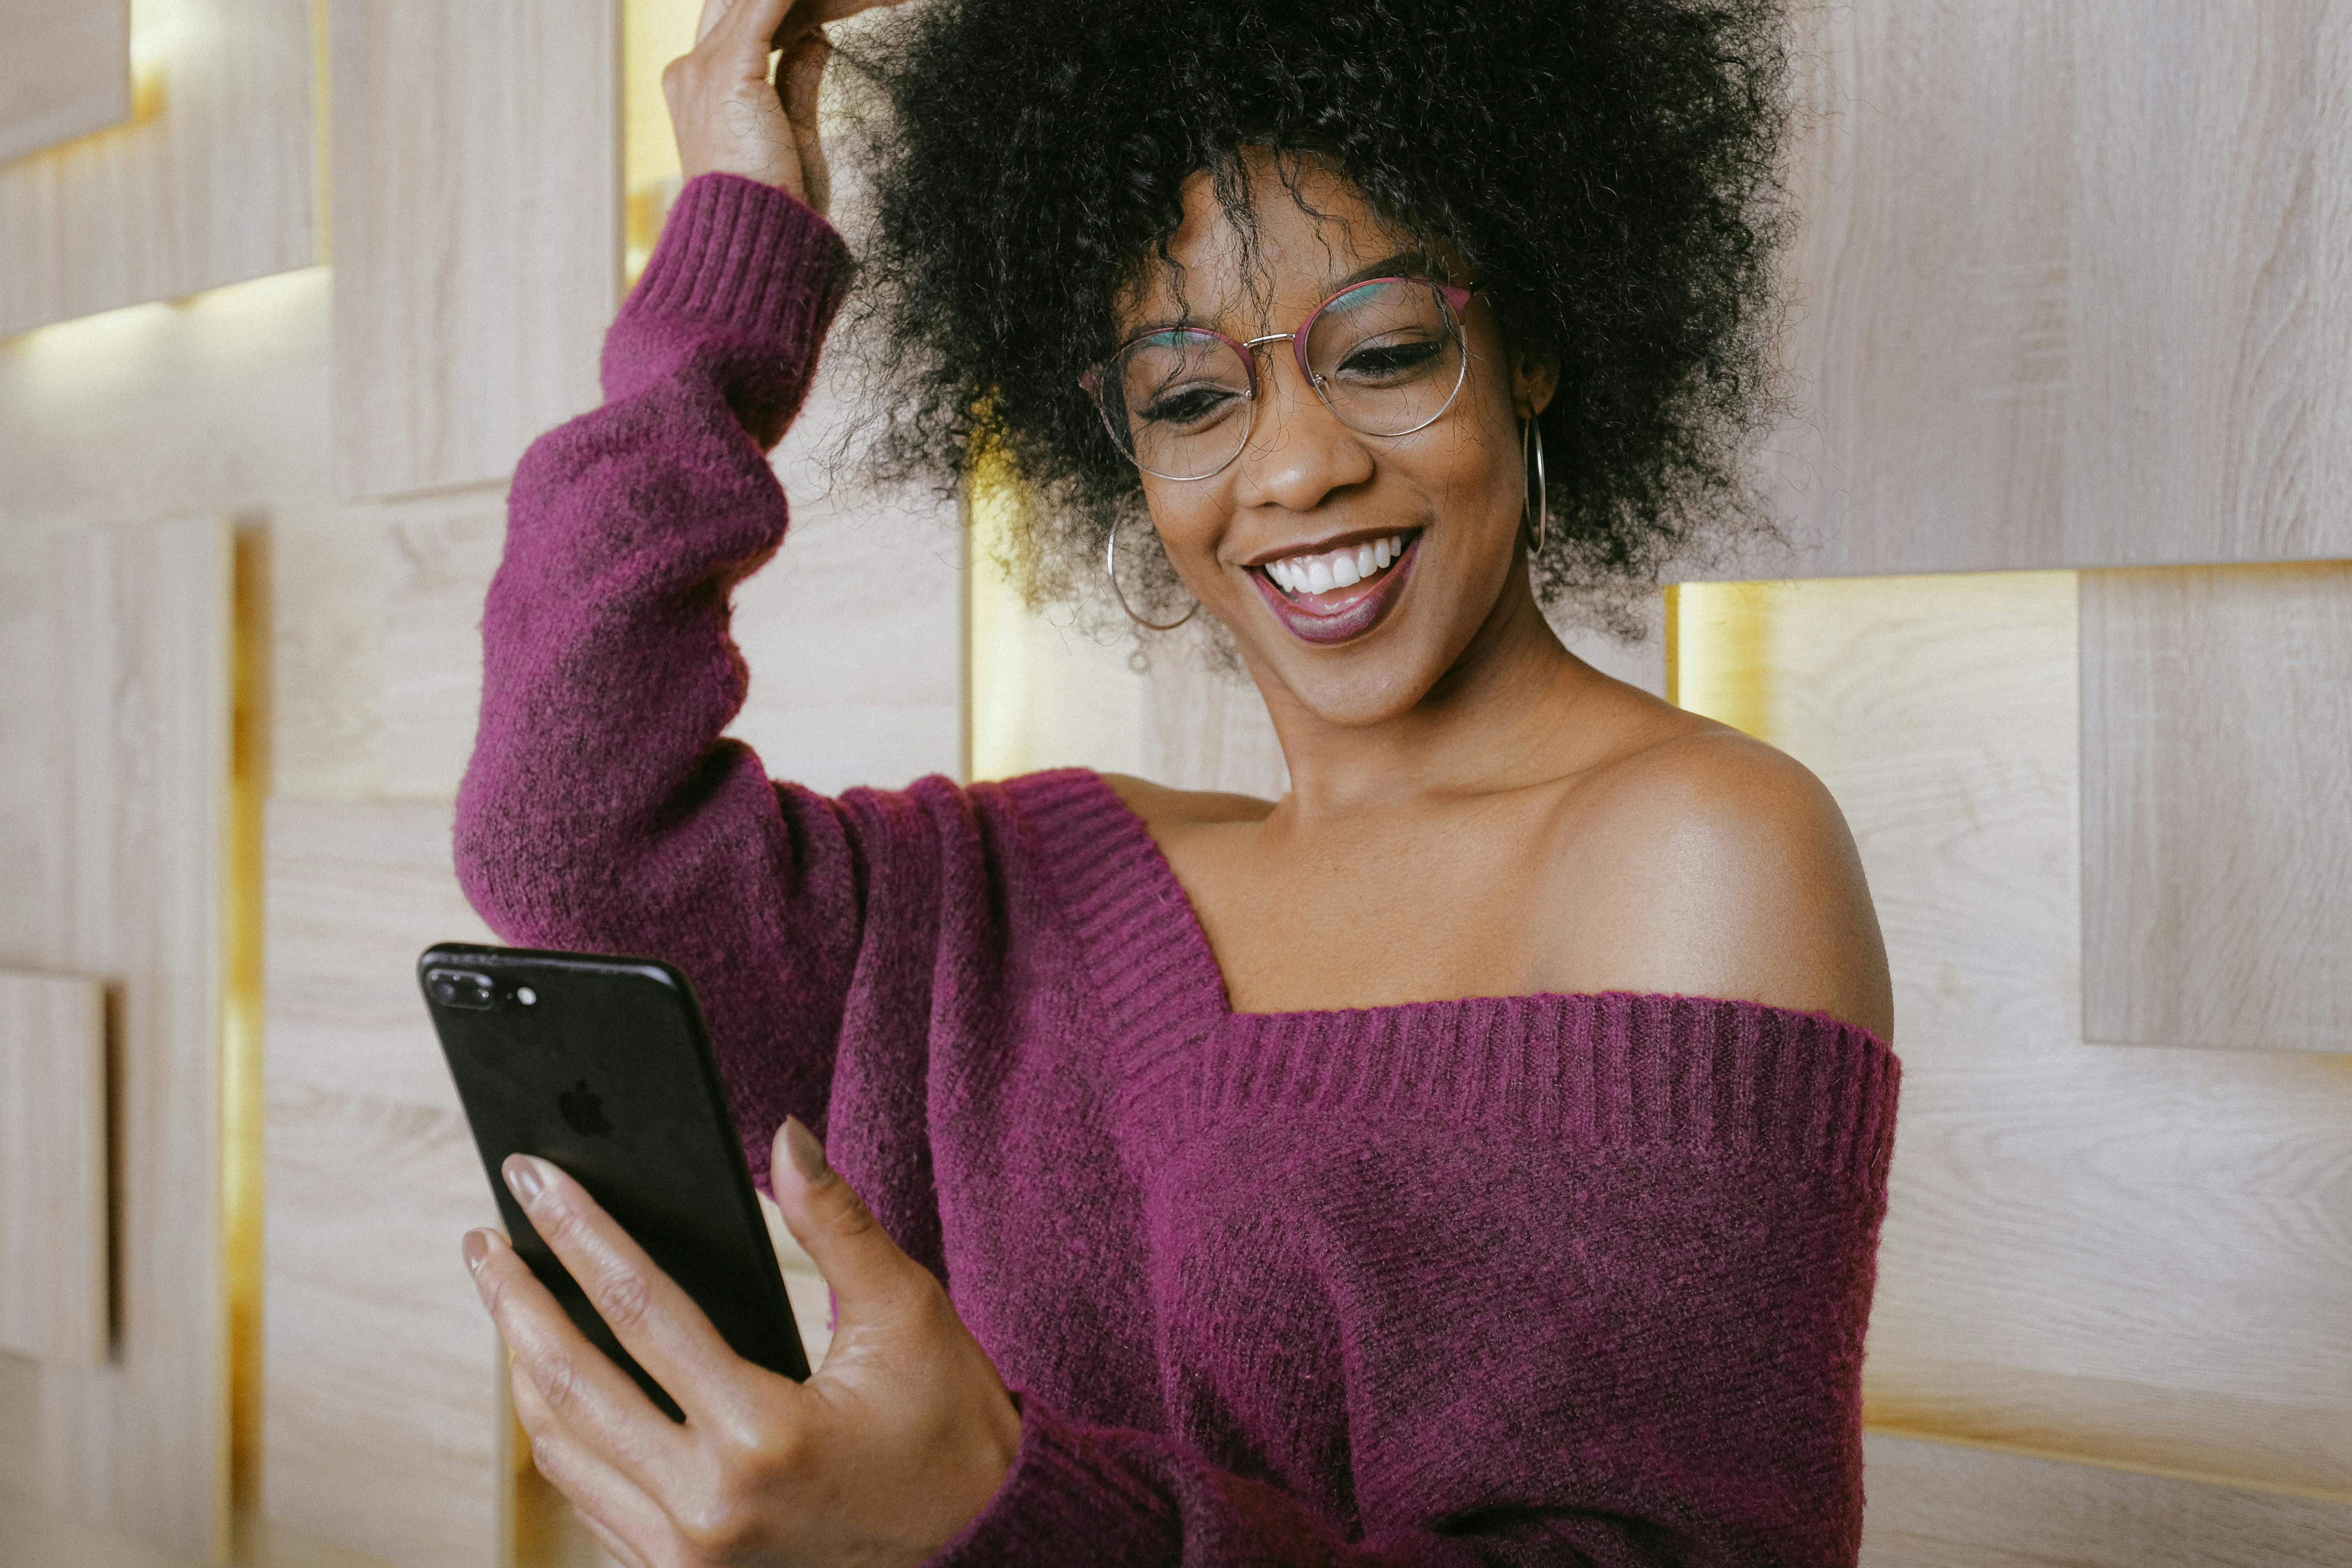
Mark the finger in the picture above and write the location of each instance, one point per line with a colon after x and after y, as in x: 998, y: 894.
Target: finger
x: 803, y: 78
x: 596, y: 1400
x: 655, y: 1320
x: 628, y: 1522
x: 870, y: 1275
x: 712, y: 10
x: 750, y: 26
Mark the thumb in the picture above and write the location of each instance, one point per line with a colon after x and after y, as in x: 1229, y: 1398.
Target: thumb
x: 870, y: 1275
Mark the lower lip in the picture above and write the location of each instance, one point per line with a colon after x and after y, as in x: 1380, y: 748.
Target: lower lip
x: 1343, y: 626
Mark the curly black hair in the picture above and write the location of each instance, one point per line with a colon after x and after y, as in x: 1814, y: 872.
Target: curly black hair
x: 1611, y: 168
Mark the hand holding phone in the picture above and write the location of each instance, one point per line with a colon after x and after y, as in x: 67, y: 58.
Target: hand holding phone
x: 883, y: 1456
x: 601, y: 1066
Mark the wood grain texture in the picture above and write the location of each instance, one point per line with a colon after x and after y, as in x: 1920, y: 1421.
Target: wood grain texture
x: 2190, y: 303
x: 386, y: 1413
x: 213, y: 406
x: 33, y: 1535
x: 436, y: 570
x: 477, y: 232
x: 2217, y: 851
x: 2069, y: 286
x: 66, y: 71
x: 213, y: 186
x: 854, y: 632
x: 54, y: 1265
x: 2130, y: 1255
x: 1927, y: 337
x: 112, y: 790
x: 1940, y: 1505
x: 326, y: 666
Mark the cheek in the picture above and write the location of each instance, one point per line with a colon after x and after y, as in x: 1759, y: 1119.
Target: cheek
x: 1470, y: 478
x: 1186, y: 519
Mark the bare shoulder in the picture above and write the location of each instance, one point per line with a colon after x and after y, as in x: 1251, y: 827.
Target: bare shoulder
x: 1705, y: 863
x: 1166, y: 810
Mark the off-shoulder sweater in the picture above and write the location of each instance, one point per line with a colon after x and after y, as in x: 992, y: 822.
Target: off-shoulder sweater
x: 1513, y: 1280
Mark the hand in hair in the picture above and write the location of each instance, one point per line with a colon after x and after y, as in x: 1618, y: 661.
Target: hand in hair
x: 731, y: 117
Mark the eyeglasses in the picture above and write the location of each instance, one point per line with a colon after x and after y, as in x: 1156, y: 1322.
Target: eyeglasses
x: 1385, y: 355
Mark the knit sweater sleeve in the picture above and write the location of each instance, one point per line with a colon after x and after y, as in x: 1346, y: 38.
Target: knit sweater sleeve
x: 603, y: 809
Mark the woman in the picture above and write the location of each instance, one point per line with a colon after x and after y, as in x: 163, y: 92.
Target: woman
x: 1474, y: 1156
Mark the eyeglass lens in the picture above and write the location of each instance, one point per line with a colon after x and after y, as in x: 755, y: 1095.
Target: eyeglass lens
x: 1386, y: 357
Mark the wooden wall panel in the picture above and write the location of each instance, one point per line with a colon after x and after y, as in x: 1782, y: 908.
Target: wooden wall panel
x: 854, y: 632
x: 477, y: 232
x: 2217, y: 840
x: 326, y: 676
x: 213, y: 406
x: 213, y: 186
x: 1941, y: 1505
x: 54, y: 1269
x: 112, y: 789
x: 2069, y: 286
x: 2127, y: 1256
x: 386, y: 1417
x: 67, y: 72
x: 1927, y: 340
x: 2192, y: 307
x: 435, y: 570
x: 31, y: 1536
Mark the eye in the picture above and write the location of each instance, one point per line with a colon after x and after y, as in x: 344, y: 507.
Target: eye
x: 1390, y: 360
x: 1189, y: 406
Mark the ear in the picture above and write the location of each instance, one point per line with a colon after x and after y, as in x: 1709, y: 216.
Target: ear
x: 1535, y: 378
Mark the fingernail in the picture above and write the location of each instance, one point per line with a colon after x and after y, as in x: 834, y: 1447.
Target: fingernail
x: 478, y: 1250
x: 523, y: 1177
x: 807, y: 1153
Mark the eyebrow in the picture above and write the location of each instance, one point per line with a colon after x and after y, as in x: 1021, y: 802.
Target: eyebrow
x: 1403, y: 264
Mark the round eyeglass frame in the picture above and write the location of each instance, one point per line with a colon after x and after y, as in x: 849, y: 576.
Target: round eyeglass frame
x: 1455, y: 297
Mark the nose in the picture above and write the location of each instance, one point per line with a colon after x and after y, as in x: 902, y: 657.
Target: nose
x: 1298, y: 452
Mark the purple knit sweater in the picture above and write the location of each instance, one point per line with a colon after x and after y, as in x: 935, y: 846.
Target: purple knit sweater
x: 1526, y: 1280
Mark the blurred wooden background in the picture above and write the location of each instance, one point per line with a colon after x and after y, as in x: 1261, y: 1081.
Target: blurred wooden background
x: 2063, y: 617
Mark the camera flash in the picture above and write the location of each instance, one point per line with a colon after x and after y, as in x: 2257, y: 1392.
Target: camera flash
x: 526, y: 996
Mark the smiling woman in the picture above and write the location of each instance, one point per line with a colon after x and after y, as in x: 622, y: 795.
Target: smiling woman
x: 1478, y: 1153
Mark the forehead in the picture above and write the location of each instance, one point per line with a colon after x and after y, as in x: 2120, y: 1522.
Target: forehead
x: 1303, y: 227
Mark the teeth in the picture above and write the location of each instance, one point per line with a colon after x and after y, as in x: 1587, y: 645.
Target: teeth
x: 1342, y: 568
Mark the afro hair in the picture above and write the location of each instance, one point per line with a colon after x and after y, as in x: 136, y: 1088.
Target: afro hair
x: 1611, y: 168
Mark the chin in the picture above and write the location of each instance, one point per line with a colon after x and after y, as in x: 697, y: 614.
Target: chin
x: 1379, y: 675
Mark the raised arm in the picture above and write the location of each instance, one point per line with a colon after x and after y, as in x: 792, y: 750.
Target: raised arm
x: 601, y: 809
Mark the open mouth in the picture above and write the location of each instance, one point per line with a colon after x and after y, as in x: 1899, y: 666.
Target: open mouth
x: 1331, y: 595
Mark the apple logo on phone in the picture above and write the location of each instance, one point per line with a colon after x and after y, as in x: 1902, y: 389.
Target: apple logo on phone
x: 583, y: 1110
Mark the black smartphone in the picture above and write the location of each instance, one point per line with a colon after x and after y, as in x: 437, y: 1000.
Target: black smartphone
x: 601, y: 1065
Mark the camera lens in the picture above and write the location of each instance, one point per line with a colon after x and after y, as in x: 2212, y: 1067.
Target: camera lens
x: 459, y: 988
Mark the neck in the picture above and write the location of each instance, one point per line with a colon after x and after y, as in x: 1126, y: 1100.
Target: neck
x: 1497, y: 719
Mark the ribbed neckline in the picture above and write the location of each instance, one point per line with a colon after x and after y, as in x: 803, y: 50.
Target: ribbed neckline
x: 1593, y: 1067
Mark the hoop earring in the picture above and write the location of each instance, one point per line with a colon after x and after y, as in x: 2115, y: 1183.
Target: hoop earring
x: 1110, y: 570
x: 1542, y: 507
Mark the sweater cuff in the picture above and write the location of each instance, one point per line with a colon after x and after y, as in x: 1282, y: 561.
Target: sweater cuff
x: 743, y: 255
x: 1065, y: 1503
x: 744, y: 275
